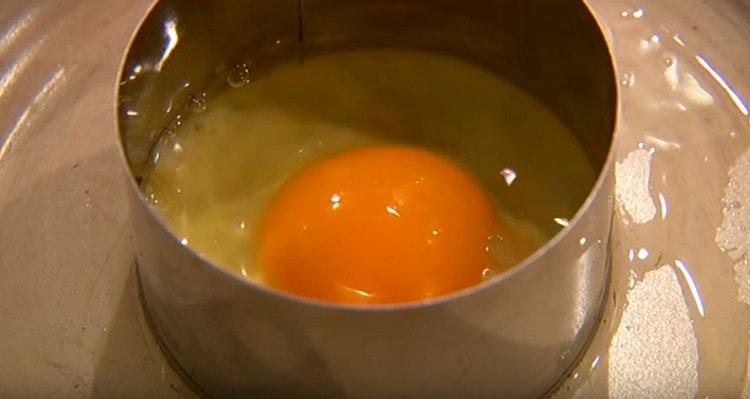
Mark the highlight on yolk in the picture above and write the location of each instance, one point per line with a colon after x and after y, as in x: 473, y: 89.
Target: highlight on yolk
x: 377, y: 225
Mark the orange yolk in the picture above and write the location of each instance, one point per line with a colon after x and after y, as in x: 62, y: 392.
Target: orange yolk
x: 377, y: 225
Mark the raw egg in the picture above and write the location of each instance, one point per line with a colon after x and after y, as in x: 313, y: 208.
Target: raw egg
x: 301, y: 181
x: 381, y: 224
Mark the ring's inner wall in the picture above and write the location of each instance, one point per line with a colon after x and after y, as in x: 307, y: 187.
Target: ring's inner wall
x: 531, y: 105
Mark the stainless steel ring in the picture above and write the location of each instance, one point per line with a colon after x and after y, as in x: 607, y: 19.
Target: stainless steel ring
x: 515, y: 335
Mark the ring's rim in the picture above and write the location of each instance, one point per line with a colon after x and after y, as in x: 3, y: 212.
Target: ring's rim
x: 459, y: 295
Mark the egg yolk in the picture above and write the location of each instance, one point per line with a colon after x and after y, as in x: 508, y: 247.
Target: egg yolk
x: 377, y: 225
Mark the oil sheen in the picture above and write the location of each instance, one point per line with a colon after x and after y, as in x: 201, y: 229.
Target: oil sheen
x: 214, y: 177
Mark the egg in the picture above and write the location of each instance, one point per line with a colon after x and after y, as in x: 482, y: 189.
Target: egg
x: 368, y: 176
x: 381, y: 224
